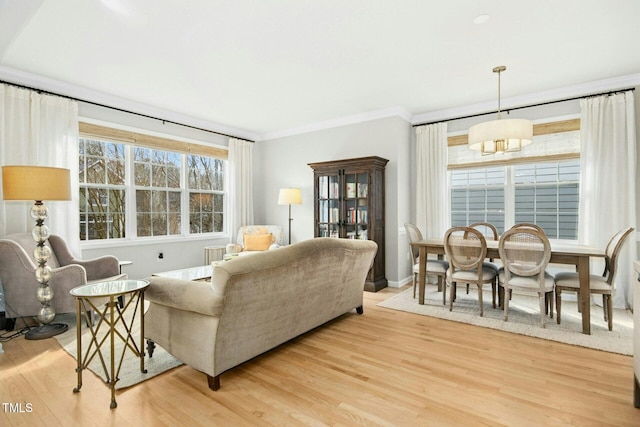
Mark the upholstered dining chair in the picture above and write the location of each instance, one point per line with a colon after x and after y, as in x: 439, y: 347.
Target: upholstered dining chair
x: 435, y: 267
x: 466, y: 249
x: 604, y: 284
x: 525, y: 253
x: 490, y: 232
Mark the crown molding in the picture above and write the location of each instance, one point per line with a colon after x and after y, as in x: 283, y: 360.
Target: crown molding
x: 342, y: 121
x: 559, y: 94
x: 96, y: 97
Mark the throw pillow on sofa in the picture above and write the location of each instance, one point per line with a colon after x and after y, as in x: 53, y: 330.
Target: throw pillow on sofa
x: 257, y: 242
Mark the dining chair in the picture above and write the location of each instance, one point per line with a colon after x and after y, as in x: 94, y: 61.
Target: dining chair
x: 604, y: 284
x: 525, y: 253
x: 466, y: 249
x: 490, y: 232
x: 529, y: 225
x: 435, y: 267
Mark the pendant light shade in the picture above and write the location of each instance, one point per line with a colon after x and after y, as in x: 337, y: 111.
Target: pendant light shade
x: 500, y: 136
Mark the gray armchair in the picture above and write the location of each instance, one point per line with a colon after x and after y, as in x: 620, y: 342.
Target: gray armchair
x: 17, y: 273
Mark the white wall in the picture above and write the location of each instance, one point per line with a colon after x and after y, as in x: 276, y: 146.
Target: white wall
x: 283, y: 162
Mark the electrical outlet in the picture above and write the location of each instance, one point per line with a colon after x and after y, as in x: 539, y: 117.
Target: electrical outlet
x: 160, y: 256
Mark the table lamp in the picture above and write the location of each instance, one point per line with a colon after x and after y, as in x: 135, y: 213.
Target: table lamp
x: 290, y: 196
x: 39, y: 183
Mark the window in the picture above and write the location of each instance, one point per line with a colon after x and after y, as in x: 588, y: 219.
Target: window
x: 477, y: 195
x: 544, y: 193
x: 141, y: 191
x: 102, y: 190
x: 206, y: 195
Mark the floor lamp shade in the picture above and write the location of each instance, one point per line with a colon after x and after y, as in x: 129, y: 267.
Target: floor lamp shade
x: 35, y: 183
x: 39, y: 183
x: 290, y: 196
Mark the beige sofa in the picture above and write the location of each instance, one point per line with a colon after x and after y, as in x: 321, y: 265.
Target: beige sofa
x: 256, y: 302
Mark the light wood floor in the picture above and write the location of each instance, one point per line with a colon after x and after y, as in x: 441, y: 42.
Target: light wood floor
x: 385, y: 368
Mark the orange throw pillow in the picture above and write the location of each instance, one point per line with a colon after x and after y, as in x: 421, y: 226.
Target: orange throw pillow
x: 257, y: 242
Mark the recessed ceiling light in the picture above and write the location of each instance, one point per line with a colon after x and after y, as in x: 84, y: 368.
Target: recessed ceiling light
x: 481, y: 19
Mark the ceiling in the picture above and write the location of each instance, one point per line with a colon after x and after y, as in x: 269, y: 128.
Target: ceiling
x: 265, y: 68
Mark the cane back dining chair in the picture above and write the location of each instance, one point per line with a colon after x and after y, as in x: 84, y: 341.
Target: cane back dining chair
x: 435, y: 267
x: 490, y: 232
x: 466, y: 249
x: 525, y: 253
x: 604, y: 284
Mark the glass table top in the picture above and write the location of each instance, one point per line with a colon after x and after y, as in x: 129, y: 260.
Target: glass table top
x: 105, y: 289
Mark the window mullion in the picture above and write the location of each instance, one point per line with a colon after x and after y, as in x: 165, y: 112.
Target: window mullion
x: 131, y: 217
x: 509, y: 198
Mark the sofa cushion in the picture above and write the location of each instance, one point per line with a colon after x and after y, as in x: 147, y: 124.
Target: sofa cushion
x: 257, y: 242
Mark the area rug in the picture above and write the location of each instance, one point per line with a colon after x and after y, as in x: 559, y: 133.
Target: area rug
x: 130, y: 373
x: 524, y: 318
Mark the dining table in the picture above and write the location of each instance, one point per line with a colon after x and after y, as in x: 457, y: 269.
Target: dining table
x: 574, y: 254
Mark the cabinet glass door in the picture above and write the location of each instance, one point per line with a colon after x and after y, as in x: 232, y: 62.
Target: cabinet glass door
x: 328, y: 206
x: 356, y: 205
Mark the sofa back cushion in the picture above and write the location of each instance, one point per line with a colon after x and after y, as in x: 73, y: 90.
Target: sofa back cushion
x: 273, y: 296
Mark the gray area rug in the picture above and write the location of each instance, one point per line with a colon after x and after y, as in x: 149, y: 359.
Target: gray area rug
x: 524, y: 318
x: 130, y: 373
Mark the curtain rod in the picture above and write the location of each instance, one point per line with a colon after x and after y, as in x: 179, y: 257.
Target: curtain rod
x: 528, y: 106
x: 122, y: 110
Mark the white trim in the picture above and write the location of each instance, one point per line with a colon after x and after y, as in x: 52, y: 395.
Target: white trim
x: 341, y: 121
x: 94, y: 96
x: 584, y: 89
x: 90, y: 95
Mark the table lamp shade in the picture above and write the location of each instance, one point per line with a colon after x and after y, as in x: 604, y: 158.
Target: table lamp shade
x: 290, y: 196
x: 35, y: 183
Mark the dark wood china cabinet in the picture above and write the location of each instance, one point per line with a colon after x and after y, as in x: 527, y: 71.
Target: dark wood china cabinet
x: 349, y: 204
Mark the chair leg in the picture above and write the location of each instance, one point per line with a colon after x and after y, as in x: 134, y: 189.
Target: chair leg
x: 550, y: 298
x: 480, y: 299
x: 493, y: 294
x: 442, y: 285
x: 505, y: 303
x: 415, y: 283
x: 604, y: 306
x: 610, y: 311
x: 558, y: 304
x: 452, y: 291
x: 541, y: 298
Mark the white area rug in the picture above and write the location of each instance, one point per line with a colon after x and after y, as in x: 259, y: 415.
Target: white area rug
x: 130, y: 371
x: 524, y: 318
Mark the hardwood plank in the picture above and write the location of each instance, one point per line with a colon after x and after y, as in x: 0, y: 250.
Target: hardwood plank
x: 386, y: 368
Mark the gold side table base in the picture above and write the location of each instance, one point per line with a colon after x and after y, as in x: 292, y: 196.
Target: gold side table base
x: 110, y: 316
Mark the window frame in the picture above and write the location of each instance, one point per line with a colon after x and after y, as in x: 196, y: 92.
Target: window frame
x: 113, y: 134
x: 553, y: 128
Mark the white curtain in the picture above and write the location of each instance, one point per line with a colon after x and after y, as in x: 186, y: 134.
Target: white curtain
x: 432, y: 195
x: 240, y: 185
x: 41, y: 130
x: 608, y: 182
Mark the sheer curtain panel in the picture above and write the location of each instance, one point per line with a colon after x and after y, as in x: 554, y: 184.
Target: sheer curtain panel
x: 608, y: 182
x: 42, y: 130
x: 432, y: 195
x: 240, y: 184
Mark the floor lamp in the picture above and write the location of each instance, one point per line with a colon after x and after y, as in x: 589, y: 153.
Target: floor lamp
x: 39, y: 183
x: 290, y: 196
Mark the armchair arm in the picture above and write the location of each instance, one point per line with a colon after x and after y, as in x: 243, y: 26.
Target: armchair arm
x: 184, y: 295
x: 97, y: 268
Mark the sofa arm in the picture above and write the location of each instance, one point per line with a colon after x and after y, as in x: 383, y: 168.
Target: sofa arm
x: 233, y: 248
x: 184, y: 295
